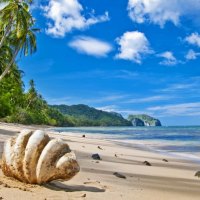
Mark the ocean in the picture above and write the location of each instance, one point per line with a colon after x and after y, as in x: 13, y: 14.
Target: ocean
x: 178, y: 141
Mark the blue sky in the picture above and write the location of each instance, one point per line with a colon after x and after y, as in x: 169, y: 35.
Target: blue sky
x: 128, y: 56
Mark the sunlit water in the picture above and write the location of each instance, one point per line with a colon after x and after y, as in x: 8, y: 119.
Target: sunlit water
x: 182, y: 141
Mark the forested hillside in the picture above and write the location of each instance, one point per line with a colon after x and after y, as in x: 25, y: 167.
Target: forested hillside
x: 84, y: 115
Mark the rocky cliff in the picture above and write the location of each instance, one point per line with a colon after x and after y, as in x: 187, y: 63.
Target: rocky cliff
x: 143, y: 120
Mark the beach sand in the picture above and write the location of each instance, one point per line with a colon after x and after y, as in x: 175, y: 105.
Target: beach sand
x: 170, y: 180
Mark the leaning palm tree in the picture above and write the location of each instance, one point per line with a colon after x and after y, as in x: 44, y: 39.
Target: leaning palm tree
x: 26, y: 44
x: 16, y: 30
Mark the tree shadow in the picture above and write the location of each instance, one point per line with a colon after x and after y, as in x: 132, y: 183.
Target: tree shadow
x: 58, y: 186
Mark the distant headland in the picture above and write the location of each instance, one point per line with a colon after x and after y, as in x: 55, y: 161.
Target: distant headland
x: 144, y: 120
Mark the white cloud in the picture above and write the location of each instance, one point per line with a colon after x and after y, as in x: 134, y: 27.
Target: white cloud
x: 192, y: 55
x: 124, y: 112
x: 169, y: 58
x: 193, y: 39
x: 133, y: 46
x: 184, y: 109
x: 66, y: 15
x: 124, y: 74
x: 110, y: 108
x: 150, y: 99
x: 179, y: 87
x: 106, y: 98
x: 91, y: 46
x: 58, y: 101
x: 100, y: 74
x: 161, y: 11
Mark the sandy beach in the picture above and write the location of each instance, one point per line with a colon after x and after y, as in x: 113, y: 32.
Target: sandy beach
x: 163, y: 180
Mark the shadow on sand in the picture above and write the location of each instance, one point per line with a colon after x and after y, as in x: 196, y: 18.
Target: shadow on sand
x: 58, y: 186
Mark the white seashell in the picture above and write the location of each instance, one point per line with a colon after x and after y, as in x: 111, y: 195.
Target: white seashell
x: 32, y: 157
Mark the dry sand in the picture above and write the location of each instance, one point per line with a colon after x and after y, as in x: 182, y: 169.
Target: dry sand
x: 170, y: 180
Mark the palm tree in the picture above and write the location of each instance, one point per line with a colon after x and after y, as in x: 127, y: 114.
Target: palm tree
x: 31, y: 95
x: 8, y: 16
x: 16, y: 29
x: 26, y: 44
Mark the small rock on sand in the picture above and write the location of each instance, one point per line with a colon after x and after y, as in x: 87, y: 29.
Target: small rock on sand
x: 197, y: 174
x: 84, y: 195
x: 6, y: 185
x: 164, y: 160
x: 147, y: 163
x: 96, y: 156
x: 100, y: 148
x: 83, y: 135
x: 119, y: 175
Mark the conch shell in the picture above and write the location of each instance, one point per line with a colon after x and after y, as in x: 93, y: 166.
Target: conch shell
x: 33, y: 157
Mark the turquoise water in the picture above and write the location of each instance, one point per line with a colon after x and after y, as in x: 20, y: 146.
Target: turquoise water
x: 182, y: 140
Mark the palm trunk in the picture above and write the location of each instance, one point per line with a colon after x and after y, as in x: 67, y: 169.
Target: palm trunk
x: 10, y: 64
x: 29, y: 103
x: 2, y: 40
x: 6, y: 33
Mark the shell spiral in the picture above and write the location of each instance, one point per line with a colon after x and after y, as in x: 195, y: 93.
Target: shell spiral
x: 33, y: 157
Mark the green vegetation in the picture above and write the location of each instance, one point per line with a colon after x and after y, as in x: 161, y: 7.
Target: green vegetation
x: 83, y: 115
x: 146, y: 119
x: 26, y: 108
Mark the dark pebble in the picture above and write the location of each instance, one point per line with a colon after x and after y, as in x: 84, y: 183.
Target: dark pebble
x: 100, y: 148
x: 197, y: 174
x: 6, y: 185
x: 96, y: 156
x: 165, y: 160
x: 119, y: 175
x: 147, y: 163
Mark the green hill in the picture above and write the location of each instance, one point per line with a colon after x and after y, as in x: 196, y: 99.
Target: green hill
x: 83, y: 115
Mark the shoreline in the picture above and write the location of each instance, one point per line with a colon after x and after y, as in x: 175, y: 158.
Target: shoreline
x: 162, y: 181
x: 132, y: 143
x: 188, y: 156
